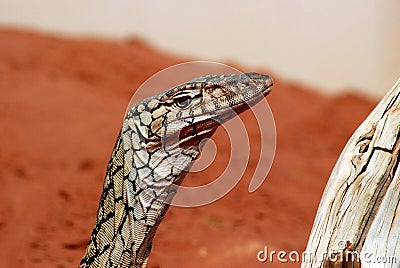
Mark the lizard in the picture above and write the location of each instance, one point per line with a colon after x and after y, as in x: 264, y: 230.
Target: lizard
x: 156, y: 146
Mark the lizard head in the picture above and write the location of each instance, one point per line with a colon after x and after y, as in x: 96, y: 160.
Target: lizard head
x: 184, y: 115
x: 168, y: 128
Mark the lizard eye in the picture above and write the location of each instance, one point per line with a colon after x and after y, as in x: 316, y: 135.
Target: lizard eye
x: 183, y: 102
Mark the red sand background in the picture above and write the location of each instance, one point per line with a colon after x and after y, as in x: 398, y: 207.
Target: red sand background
x: 61, y: 105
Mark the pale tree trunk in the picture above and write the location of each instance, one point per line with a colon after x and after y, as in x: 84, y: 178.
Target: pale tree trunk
x: 358, y: 219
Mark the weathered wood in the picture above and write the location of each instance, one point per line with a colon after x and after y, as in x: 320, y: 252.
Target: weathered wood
x: 359, y: 211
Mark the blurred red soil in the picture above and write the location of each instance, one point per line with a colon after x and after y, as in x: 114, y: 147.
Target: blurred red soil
x: 62, y: 102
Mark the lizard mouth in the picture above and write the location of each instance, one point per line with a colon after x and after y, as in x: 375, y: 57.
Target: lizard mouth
x: 253, y: 100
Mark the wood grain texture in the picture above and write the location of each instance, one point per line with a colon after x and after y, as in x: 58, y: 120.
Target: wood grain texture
x: 360, y: 205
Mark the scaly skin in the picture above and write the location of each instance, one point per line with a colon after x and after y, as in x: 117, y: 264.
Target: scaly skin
x: 156, y: 146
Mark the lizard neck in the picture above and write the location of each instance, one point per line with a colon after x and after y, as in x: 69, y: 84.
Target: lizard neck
x: 137, y: 189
